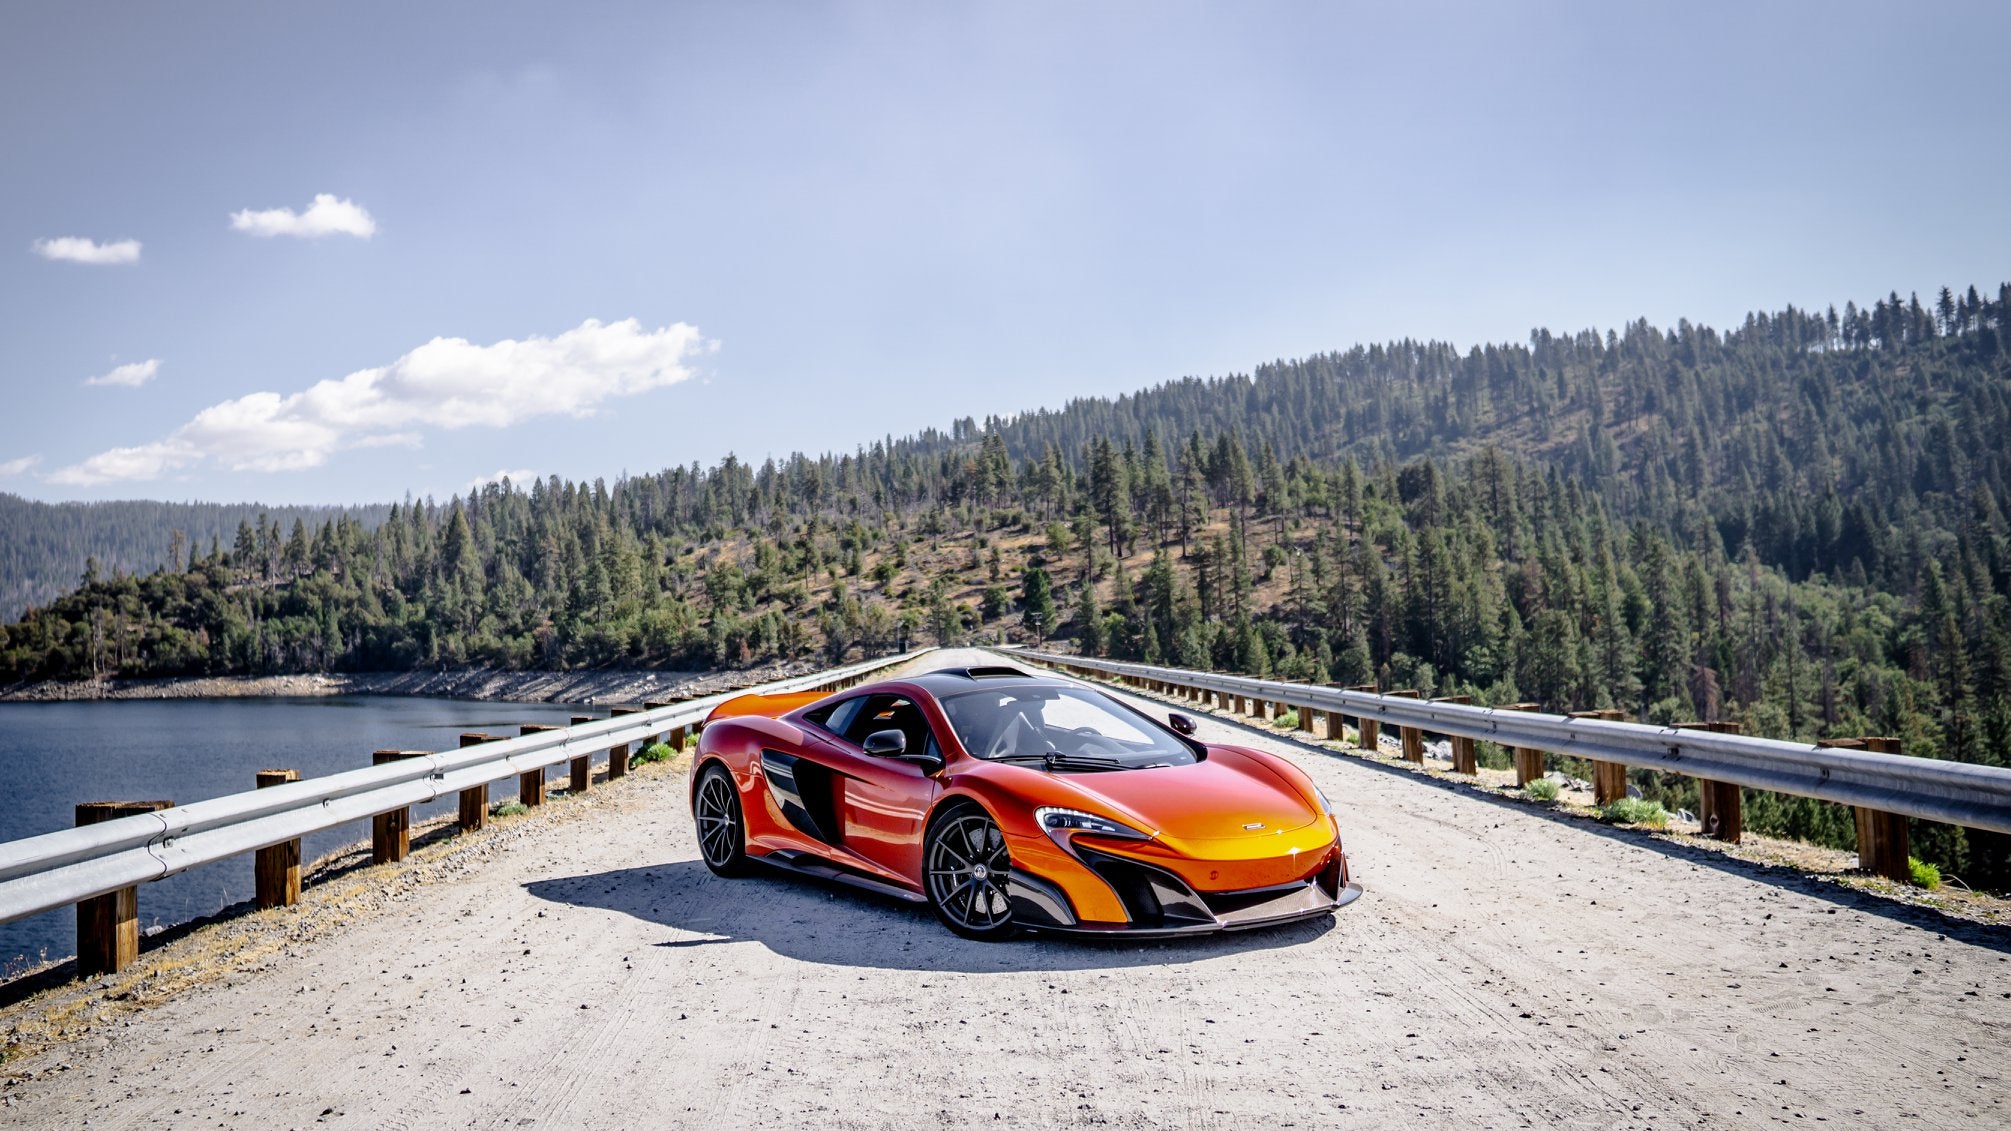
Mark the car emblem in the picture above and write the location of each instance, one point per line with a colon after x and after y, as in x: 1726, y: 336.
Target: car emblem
x: 1254, y: 825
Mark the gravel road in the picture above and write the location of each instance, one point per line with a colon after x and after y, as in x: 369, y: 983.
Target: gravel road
x: 1506, y: 968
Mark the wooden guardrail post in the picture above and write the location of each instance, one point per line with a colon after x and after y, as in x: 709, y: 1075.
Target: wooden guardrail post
x: 1720, y: 805
x: 1303, y: 714
x: 1528, y: 759
x: 275, y: 868
x: 1465, y: 760
x: 657, y: 704
x: 1883, y: 842
x: 474, y: 799
x: 617, y: 756
x: 391, y: 833
x: 531, y: 783
x: 1412, y: 738
x: 583, y: 766
x: 108, y: 926
x: 1337, y: 721
x: 1609, y: 779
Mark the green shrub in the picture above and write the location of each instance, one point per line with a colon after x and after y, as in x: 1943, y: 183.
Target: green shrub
x: 1286, y: 721
x: 1925, y: 875
x: 508, y: 809
x: 1635, y: 811
x: 655, y: 752
x: 1542, y: 789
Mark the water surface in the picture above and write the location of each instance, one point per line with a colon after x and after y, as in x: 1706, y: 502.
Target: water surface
x: 184, y: 750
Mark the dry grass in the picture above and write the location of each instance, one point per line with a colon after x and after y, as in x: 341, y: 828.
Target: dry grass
x: 947, y: 557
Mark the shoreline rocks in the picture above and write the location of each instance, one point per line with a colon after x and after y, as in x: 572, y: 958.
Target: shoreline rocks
x: 603, y: 686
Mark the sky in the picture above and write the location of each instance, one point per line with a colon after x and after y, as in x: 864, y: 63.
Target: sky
x: 349, y: 252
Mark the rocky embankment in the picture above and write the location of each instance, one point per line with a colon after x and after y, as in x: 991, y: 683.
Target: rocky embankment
x: 603, y: 686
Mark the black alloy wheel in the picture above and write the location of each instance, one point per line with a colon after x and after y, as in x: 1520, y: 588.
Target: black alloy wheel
x: 715, y: 808
x: 967, y: 874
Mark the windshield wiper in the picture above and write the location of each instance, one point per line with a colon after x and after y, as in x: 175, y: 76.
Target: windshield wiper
x: 1056, y: 760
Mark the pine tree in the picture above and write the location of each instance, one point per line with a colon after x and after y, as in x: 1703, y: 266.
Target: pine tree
x: 1037, y: 602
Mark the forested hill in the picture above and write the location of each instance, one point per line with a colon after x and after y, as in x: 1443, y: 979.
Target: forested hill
x: 1811, y: 435
x: 44, y: 547
x: 1822, y: 440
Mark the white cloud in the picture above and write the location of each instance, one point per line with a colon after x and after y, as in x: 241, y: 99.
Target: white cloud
x: 327, y: 216
x: 15, y: 467
x: 390, y: 440
x: 130, y: 376
x: 77, y: 249
x: 447, y: 383
x: 123, y: 465
x: 517, y: 478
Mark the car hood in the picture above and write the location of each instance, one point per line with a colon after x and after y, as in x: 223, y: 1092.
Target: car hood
x: 1217, y: 798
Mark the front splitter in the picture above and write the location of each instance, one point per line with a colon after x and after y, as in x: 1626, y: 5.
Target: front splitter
x: 1348, y: 894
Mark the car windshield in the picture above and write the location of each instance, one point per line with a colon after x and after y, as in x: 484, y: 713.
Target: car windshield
x: 1062, y: 723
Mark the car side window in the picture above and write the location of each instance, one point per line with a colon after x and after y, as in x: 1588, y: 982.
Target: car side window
x: 890, y: 712
x: 837, y: 717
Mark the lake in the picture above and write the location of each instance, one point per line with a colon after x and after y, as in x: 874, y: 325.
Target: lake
x: 184, y: 750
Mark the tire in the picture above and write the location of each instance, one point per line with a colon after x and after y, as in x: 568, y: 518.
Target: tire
x: 722, y: 830
x: 966, y: 868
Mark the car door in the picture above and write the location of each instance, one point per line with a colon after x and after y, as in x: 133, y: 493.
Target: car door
x: 876, y: 803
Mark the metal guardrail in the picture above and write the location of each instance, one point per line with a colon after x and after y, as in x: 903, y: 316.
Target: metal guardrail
x: 1957, y: 793
x: 42, y: 873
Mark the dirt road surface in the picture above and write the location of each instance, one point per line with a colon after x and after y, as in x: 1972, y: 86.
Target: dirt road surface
x: 1505, y: 969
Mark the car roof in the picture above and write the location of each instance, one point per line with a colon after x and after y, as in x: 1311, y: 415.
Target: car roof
x: 947, y: 681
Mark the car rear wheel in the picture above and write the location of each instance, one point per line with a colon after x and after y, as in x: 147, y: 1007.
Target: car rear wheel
x: 968, y: 869
x: 715, y: 808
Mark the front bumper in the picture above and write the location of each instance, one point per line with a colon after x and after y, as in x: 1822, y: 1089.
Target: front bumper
x: 1157, y: 903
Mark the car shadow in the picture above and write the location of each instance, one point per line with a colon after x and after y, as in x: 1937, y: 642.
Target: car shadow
x: 822, y: 921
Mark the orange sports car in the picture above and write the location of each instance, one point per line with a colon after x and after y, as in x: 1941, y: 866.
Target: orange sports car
x: 1011, y: 801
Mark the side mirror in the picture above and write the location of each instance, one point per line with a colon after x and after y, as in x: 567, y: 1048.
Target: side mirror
x: 1181, y: 723
x: 888, y: 743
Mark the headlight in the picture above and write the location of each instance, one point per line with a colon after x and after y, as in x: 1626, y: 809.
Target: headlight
x: 1059, y: 823
x: 1324, y: 803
